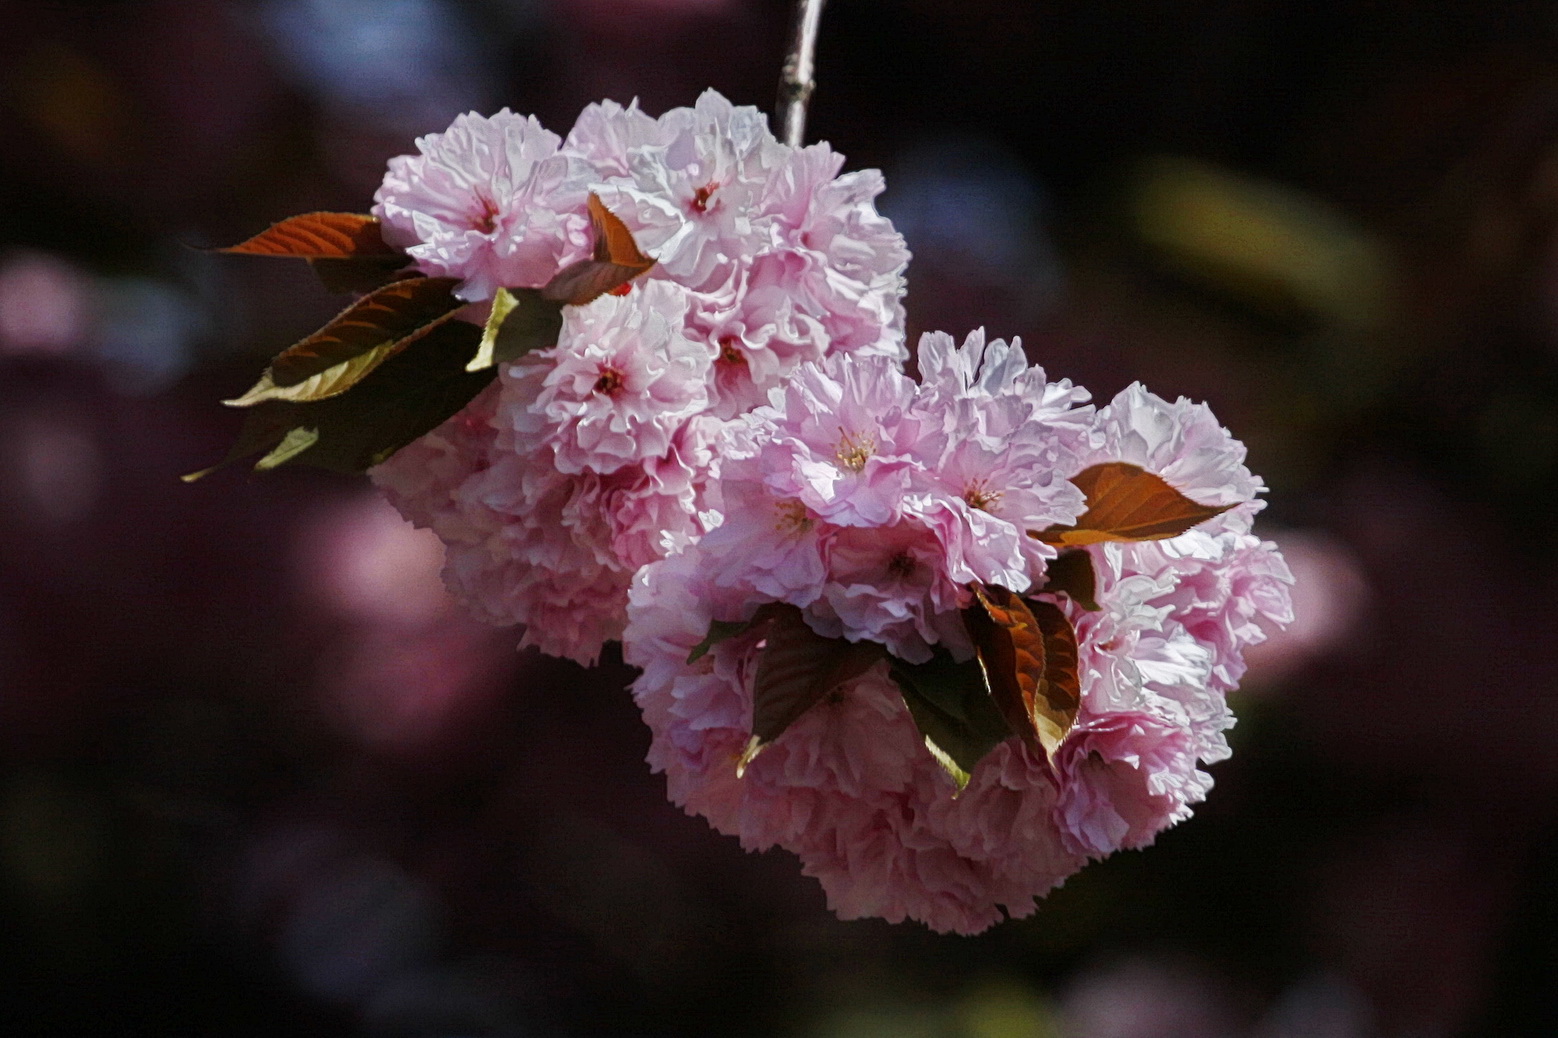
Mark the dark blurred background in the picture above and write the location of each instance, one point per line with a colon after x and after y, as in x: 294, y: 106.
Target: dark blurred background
x: 258, y: 777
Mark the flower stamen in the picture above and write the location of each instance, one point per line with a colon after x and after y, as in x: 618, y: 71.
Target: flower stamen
x: 609, y: 383
x: 487, y: 221
x: 728, y: 354
x: 793, y: 517
x: 980, y: 496
x: 854, y: 451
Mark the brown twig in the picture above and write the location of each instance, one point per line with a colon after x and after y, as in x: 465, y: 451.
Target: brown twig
x: 798, y: 80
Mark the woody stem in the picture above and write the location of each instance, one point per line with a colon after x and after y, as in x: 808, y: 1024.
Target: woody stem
x: 798, y: 80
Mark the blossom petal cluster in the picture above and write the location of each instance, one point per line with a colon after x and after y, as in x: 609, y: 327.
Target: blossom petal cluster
x: 733, y: 432
x: 597, y: 456
x: 873, y: 504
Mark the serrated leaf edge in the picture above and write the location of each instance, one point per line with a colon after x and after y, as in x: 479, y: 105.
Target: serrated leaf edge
x: 503, y: 304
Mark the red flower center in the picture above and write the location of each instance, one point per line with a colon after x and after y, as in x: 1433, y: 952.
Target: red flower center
x: 610, y: 381
x: 728, y: 354
x: 487, y: 222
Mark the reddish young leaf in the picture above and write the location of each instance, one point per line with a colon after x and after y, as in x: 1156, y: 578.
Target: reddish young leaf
x: 1010, y: 647
x: 1060, y: 690
x: 1128, y: 503
x: 318, y: 236
x: 360, y: 273
x: 615, y: 261
x: 588, y: 280
x: 1071, y: 574
x: 797, y: 668
x: 613, y: 241
x: 363, y: 336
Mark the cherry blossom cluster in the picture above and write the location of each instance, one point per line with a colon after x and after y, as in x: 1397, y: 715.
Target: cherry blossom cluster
x: 594, y: 458
x: 733, y: 432
x: 872, y: 504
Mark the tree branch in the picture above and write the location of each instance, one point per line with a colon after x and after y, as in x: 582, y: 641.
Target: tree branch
x: 798, y: 80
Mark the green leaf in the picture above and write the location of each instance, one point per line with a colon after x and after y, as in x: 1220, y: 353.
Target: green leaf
x: 263, y: 427
x: 1071, y: 574
x: 503, y: 302
x: 797, y: 668
x: 720, y: 630
x: 952, y: 708
x: 521, y: 321
x: 319, y: 236
x: 405, y: 398
x: 949, y: 764
x: 294, y: 443
x: 354, y: 343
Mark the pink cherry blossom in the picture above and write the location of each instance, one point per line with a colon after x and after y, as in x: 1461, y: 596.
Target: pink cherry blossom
x: 1231, y: 589
x: 490, y: 201
x: 598, y: 454
x: 714, y: 160
x: 1185, y: 608
x: 855, y: 259
x: 606, y: 135
x: 620, y: 383
x: 421, y: 479
x: 763, y: 327
x: 852, y: 496
x: 838, y: 437
x: 1124, y: 777
x: 849, y: 787
x: 890, y: 585
x: 997, y: 369
x: 738, y: 429
x: 1183, y: 442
